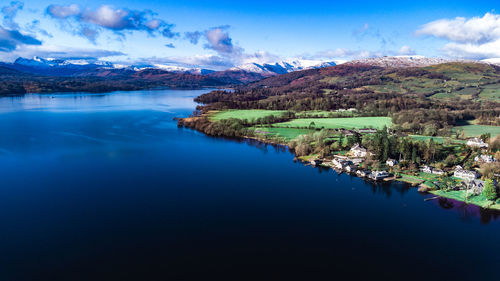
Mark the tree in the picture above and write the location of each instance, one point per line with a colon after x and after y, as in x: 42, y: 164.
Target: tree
x: 489, y: 190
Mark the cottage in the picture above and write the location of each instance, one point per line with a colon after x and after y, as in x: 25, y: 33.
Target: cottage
x: 477, y: 142
x: 341, y: 164
x: 436, y: 171
x: 476, y: 186
x: 348, y: 133
x: 465, y: 174
x: 350, y: 168
x: 484, y: 158
x: 378, y: 175
x: 391, y: 162
x: 358, y: 151
x: 367, y: 131
x: 426, y: 169
x: 363, y: 173
x: 316, y: 162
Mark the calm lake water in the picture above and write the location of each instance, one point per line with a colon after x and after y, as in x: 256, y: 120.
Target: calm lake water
x: 106, y: 187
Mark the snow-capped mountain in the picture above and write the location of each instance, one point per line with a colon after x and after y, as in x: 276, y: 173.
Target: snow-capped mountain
x: 400, y: 61
x: 51, y: 66
x: 51, y: 62
x: 178, y: 69
x: 282, y: 66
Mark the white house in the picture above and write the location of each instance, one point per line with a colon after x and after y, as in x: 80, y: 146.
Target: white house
x: 484, y: 158
x: 341, y: 164
x: 378, y: 175
x: 426, y: 169
x: 436, y: 171
x: 391, y: 162
x: 358, y: 151
x: 465, y: 174
x: 363, y: 173
x: 477, y: 142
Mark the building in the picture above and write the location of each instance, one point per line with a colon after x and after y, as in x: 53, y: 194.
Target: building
x: 378, y: 175
x: 431, y: 170
x: 350, y: 168
x: 358, y: 151
x: 348, y: 133
x: 476, y: 186
x: 436, y: 171
x: 341, y: 164
x: 316, y: 162
x: 465, y: 174
x: 367, y: 131
x: 426, y: 169
x: 391, y: 162
x: 477, y: 142
x: 363, y: 173
x: 484, y: 158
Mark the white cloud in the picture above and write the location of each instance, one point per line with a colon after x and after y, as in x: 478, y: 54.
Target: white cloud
x: 474, y: 38
x: 406, y: 50
x: 474, y: 30
x: 52, y: 51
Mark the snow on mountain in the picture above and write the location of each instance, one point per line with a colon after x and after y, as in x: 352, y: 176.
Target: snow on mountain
x: 282, y: 66
x: 495, y: 61
x: 52, y: 62
x: 181, y: 69
x: 400, y: 61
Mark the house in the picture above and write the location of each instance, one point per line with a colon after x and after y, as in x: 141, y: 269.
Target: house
x: 477, y: 142
x: 350, y: 168
x: 465, y: 174
x: 341, y: 164
x: 316, y: 162
x: 363, y: 173
x: 378, y: 175
x: 426, y: 169
x: 484, y: 158
x: 436, y: 171
x: 348, y: 133
x: 358, y: 151
x: 367, y: 131
x: 391, y: 162
x: 476, y: 186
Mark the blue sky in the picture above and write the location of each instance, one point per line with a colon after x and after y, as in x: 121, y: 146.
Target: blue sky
x: 228, y: 33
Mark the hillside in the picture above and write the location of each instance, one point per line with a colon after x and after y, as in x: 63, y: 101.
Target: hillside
x: 428, y: 100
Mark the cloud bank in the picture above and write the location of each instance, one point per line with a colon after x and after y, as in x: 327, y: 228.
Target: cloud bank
x: 474, y: 38
x: 90, y: 23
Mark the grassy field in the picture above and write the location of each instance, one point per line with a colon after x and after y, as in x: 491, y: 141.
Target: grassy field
x: 319, y: 113
x: 477, y: 130
x: 491, y: 92
x: 459, y: 195
x: 435, y: 139
x: 333, y: 123
x: 286, y: 133
x: 245, y: 114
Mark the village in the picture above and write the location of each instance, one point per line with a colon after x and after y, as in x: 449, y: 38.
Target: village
x: 428, y: 178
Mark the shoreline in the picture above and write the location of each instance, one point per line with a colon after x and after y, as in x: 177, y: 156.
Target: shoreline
x: 490, y: 205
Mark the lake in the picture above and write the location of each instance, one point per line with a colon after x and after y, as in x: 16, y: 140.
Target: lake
x: 106, y: 187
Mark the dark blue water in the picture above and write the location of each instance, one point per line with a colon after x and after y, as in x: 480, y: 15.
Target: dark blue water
x: 106, y: 187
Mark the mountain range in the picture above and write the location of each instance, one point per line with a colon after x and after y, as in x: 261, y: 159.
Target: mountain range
x: 88, y: 67
x: 83, y: 74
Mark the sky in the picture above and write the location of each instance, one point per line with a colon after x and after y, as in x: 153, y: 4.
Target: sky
x: 221, y: 34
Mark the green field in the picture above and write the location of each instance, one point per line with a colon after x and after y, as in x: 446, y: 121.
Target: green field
x: 491, y: 92
x: 333, y: 123
x: 287, y: 133
x: 459, y: 195
x: 477, y: 130
x: 320, y: 113
x: 435, y: 139
x: 245, y: 114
